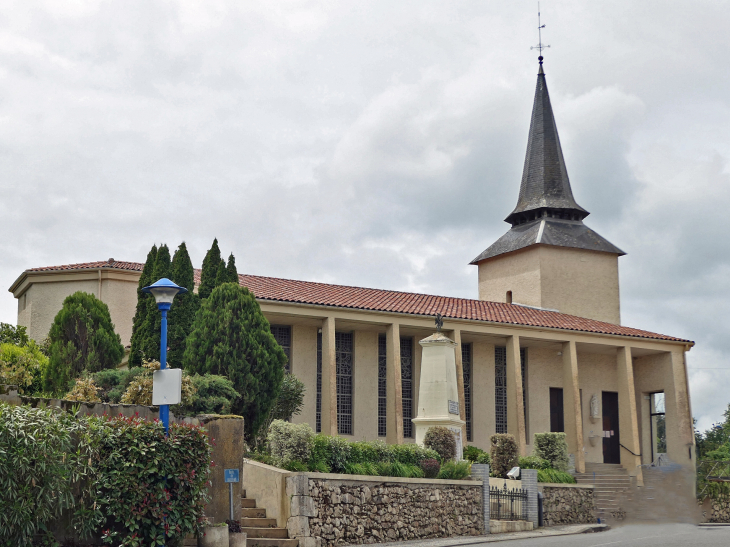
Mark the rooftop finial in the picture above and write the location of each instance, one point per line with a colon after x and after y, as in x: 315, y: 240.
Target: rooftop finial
x: 539, y: 46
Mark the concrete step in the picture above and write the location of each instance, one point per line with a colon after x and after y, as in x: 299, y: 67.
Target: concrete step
x: 258, y: 522
x: 253, y: 513
x: 268, y: 542
x: 248, y: 503
x: 268, y: 533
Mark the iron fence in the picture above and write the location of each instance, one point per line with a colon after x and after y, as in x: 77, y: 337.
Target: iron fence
x: 507, y: 504
x: 713, y: 477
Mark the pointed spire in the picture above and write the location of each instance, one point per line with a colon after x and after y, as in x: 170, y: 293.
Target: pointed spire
x: 545, y: 188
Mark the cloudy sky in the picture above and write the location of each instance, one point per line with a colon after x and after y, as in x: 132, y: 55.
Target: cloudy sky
x: 372, y: 143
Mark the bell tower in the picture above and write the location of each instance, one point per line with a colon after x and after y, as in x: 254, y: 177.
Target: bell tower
x: 549, y: 258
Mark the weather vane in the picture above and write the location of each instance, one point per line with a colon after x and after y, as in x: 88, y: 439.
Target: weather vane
x: 439, y: 322
x: 540, y: 26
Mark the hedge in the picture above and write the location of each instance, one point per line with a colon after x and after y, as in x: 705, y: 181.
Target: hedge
x: 117, y: 477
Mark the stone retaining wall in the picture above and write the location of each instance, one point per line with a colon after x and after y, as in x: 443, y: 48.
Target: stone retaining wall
x: 338, y: 511
x: 716, y: 510
x: 568, y: 504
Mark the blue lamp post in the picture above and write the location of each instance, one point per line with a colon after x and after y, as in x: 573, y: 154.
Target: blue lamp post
x: 164, y: 292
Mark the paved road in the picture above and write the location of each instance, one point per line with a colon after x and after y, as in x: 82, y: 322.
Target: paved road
x: 636, y: 535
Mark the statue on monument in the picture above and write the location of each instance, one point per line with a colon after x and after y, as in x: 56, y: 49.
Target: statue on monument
x: 439, y: 322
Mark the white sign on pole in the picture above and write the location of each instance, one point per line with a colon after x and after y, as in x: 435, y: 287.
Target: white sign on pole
x: 167, y: 386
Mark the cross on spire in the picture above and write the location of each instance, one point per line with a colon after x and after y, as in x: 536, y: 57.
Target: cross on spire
x: 539, y: 47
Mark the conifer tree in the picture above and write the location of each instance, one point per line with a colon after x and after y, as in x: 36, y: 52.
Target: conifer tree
x: 140, y: 315
x: 82, y: 338
x: 153, y: 321
x: 231, y: 270
x: 222, y: 276
x: 182, y: 313
x: 209, y: 273
x: 231, y: 337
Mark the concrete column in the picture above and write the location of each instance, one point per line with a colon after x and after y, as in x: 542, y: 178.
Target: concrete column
x: 571, y: 406
x: 481, y: 472
x: 456, y: 337
x: 394, y: 391
x: 628, y: 418
x: 329, y: 378
x: 680, y: 435
x: 515, y: 404
x: 529, y: 483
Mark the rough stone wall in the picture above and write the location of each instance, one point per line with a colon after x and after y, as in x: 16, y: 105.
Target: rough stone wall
x: 717, y: 510
x: 352, y: 513
x: 568, y: 506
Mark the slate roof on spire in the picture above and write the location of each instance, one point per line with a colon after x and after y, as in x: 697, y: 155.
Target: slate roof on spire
x: 545, y: 182
x: 546, y: 211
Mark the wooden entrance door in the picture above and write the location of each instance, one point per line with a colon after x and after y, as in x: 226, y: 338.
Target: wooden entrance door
x: 611, y: 449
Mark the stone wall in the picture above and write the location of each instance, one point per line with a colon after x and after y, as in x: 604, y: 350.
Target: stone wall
x: 565, y: 504
x: 716, y: 510
x: 332, y: 510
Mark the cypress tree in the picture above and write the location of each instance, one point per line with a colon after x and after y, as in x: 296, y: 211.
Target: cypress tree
x: 82, y: 338
x: 153, y: 322
x: 209, y: 273
x: 182, y: 312
x: 231, y: 270
x: 231, y: 337
x: 140, y: 315
x: 222, y: 276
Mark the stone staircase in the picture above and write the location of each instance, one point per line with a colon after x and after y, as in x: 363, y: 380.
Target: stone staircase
x: 262, y: 531
x: 612, y: 489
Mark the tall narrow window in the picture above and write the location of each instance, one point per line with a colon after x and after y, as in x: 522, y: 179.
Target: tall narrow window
x: 282, y: 335
x: 466, y: 366
x: 382, y: 394
x: 343, y: 361
x: 500, y: 387
x: 406, y: 371
x: 557, y: 417
x: 319, y: 383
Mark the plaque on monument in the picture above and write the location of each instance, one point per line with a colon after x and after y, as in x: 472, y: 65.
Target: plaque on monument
x: 454, y: 407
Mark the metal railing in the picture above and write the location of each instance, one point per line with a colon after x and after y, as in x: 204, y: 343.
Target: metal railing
x: 709, y: 472
x: 507, y: 504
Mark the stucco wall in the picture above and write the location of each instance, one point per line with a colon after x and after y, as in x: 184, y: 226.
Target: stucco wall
x: 44, y: 294
x: 572, y: 281
x: 482, y: 394
x: 304, y: 367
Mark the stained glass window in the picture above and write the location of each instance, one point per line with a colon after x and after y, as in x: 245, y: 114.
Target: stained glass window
x: 319, y: 383
x: 382, y: 394
x: 282, y: 335
x: 466, y: 366
x: 344, y: 362
x: 500, y: 387
x: 406, y: 370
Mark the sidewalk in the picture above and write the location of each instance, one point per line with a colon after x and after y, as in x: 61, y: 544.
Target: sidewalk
x: 473, y: 540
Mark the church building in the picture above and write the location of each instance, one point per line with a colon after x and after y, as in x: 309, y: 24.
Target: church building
x: 541, y: 349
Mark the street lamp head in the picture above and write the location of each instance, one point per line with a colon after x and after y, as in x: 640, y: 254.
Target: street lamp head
x: 164, y: 291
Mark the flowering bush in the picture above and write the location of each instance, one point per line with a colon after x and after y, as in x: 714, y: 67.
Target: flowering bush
x: 22, y: 366
x: 84, y: 390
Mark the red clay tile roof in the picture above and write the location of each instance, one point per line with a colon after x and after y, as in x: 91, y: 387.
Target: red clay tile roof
x: 113, y: 264
x: 359, y: 298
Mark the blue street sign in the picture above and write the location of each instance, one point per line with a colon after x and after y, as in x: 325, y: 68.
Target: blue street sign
x: 231, y: 475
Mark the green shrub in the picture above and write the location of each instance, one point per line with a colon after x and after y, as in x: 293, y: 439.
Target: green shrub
x: 45, y: 457
x: 455, y: 470
x: 369, y: 451
x: 472, y: 453
x: 289, y: 442
x: 114, y: 382
x: 10, y: 334
x: 533, y: 462
x: 318, y: 466
x: 141, y: 506
x: 214, y: 394
x: 504, y: 454
x: 82, y: 338
x: 553, y: 448
x: 484, y: 458
x: 334, y: 452
x: 431, y: 468
x: 555, y: 476
x: 410, y: 453
x: 442, y: 441
x: 295, y: 466
x: 22, y: 366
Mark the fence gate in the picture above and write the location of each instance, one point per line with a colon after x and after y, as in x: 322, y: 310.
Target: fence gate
x: 507, y: 504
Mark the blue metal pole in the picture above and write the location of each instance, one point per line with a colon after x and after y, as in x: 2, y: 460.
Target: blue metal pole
x: 164, y: 409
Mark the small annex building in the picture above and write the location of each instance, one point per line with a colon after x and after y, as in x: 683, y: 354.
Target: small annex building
x: 542, y: 349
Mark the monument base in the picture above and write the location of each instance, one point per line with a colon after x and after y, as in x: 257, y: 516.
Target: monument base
x: 452, y: 423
